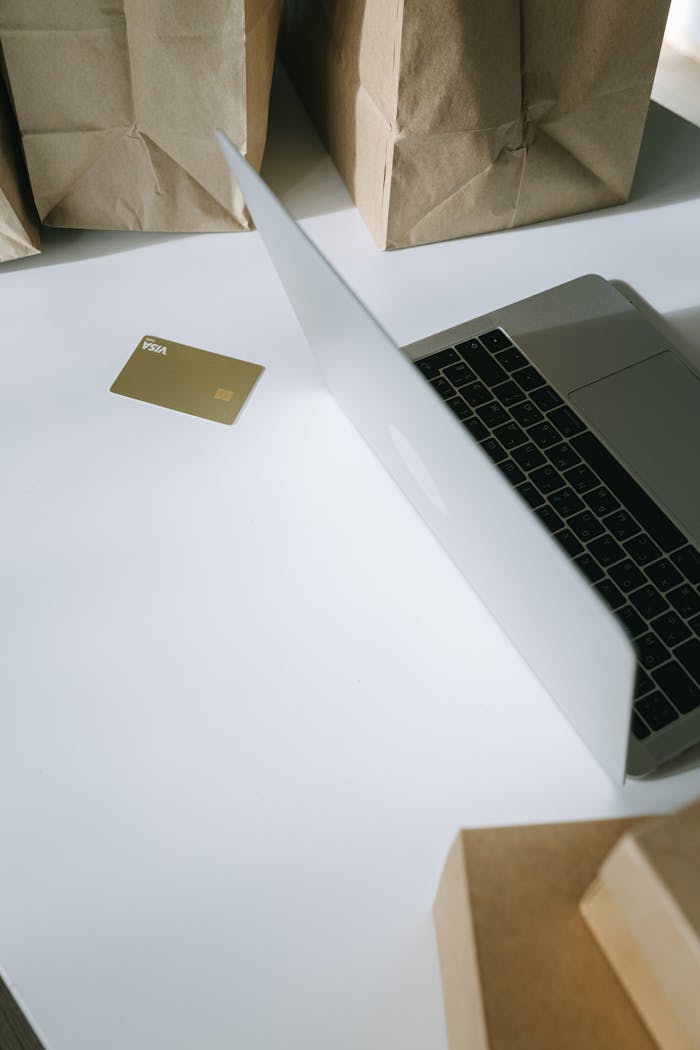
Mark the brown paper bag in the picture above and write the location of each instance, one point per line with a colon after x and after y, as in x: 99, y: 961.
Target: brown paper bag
x: 455, y: 117
x: 19, y: 228
x: 117, y: 104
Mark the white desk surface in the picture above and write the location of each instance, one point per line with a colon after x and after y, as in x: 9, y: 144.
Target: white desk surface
x: 247, y: 701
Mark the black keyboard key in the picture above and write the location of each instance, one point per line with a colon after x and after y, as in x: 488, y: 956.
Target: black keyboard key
x: 476, y: 394
x: 642, y: 550
x: 640, y: 730
x: 656, y: 710
x: 622, y: 525
x: 495, y: 340
x: 629, y: 493
x: 566, y: 502
x: 606, y: 550
x: 529, y: 493
x: 512, y: 471
x: 528, y: 378
x: 648, y: 602
x: 626, y: 575
x: 510, y: 435
x: 430, y: 366
x: 685, y: 600
x: 493, y: 414
x: 642, y: 684
x: 526, y: 413
x: 544, y: 435
x: 460, y: 408
x: 610, y: 594
x: 689, y: 656
x: 571, y: 545
x: 694, y: 624
x: 494, y: 449
x: 563, y: 456
x: 670, y: 628
x: 508, y: 393
x: 590, y: 568
x: 688, y: 561
x: 546, y: 398
x: 511, y: 359
x: 549, y: 518
x: 664, y: 574
x: 547, y: 479
x: 585, y: 525
x: 528, y: 457
x: 566, y: 420
x: 679, y: 687
x: 442, y: 386
x: 601, y: 501
x: 582, y: 479
x: 476, y: 428
x: 459, y: 374
x: 650, y: 651
x: 633, y: 623
x: 488, y: 370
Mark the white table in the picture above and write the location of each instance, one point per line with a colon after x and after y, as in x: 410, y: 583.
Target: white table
x: 247, y: 701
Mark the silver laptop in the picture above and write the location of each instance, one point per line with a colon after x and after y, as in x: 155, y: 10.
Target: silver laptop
x: 550, y: 447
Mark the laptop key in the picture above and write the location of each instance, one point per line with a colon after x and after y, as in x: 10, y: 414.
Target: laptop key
x: 642, y: 683
x: 685, y: 600
x: 695, y: 624
x: 582, y: 479
x: 549, y: 518
x: 510, y: 435
x: 689, y: 656
x: 546, y: 398
x: 566, y: 502
x: 632, y: 622
x: 528, y: 457
x: 683, y: 692
x: 544, y: 435
x: 688, y: 561
x: 528, y: 378
x: 601, y: 501
x: 590, y: 568
x: 643, y: 550
x: 530, y: 494
x: 430, y: 366
x: 563, y: 456
x: 664, y: 574
x: 648, y: 602
x: 610, y: 593
x: 486, y: 367
x: 651, y: 651
x: 526, y: 413
x: 495, y: 450
x: 670, y: 628
x: 631, y: 495
x: 442, y: 386
x: 547, y: 479
x: 511, y: 359
x: 640, y: 730
x: 606, y: 550
x: 512, y: 471
x: 460, y: 408
x: 509, y: 393
x: 493, y: 414
x: 566, y: 420
x: 571, y: 545
x: 622, y: 525
x: 656, y: 710
x: 476, y: 428
x: 626, y: 575
x: 495, y: 340
x: 476, y: 394
x: 459, y: 374
x: 585, y: 525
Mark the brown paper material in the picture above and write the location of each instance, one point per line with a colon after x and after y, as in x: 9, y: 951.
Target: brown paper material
x: 19, y: 228
x: 644, y: 909
x: 117, y: 104
x: 520, y: 969
x: 455, y: 117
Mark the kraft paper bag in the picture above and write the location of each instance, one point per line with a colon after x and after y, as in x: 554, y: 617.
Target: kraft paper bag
x: 456, y: 117
x: 19, y: 228
x: 117, y: 103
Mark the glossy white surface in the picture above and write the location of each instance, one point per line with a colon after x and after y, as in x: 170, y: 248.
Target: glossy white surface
x: 247, y: 700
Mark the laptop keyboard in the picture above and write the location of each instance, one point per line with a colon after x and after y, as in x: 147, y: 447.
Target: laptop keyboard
x: 618, y: 537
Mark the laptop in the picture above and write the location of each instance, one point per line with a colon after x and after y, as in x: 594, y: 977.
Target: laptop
x: 550, y: 447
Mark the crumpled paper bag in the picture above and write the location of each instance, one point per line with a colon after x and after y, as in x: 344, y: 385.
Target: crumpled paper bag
x: 19, y: 228
x: 456, y: 117
x: 117, y: 103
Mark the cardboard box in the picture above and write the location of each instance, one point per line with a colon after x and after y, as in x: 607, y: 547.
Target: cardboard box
x: 455, y: 117
x: 520, y: 969
x: 644, y: 909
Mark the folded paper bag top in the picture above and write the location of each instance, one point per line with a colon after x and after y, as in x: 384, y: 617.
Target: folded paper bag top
x: 19, y: 225
x: 117, y: 104
x: 644, y: 910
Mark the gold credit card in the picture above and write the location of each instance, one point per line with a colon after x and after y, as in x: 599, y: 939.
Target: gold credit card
x: 187, y: 379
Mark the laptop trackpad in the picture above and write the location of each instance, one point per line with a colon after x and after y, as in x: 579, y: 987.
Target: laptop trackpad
x: 649, y: 414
